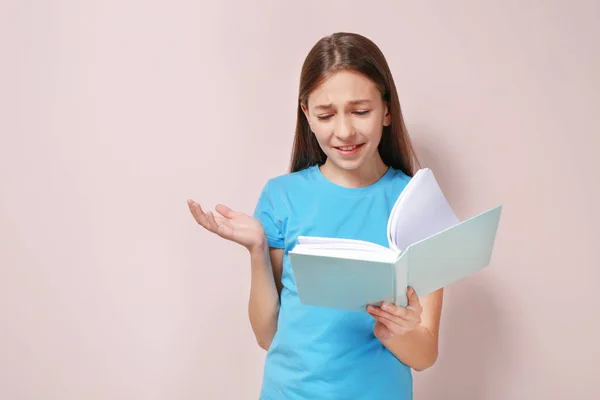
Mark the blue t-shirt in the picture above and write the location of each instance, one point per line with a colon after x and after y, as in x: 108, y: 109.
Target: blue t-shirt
x: 320, y: 353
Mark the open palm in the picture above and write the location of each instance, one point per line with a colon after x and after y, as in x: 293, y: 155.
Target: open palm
x: 231, y: 225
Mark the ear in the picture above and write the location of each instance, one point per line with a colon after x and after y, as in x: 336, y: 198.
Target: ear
x: 305, y: 111
x: 387, y: 117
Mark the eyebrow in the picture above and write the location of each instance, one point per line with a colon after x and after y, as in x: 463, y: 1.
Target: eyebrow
x: 352, y: 102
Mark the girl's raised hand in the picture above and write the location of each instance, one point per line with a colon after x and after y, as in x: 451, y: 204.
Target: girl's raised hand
x: 231, y: 225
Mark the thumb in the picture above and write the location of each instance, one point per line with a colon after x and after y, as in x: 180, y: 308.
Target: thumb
x: 413, y: 299
x: 226, y: 211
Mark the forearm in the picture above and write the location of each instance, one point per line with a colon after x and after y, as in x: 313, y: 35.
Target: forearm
x: 417, y: 349
x: 263, y: 306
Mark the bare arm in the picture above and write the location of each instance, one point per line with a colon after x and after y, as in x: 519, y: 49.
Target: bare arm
x: 265, y: 264
x: 265, y: 289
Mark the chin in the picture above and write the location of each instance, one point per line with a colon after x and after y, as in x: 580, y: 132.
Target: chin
x: 348, y: 165
x: 350, y: 160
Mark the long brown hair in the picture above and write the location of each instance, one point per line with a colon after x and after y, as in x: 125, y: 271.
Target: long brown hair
x: 351, y: 51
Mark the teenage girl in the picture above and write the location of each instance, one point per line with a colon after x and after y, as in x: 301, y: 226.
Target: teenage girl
x: 351, y: 158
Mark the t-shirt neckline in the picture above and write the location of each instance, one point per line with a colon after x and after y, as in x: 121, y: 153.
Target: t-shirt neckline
x: 329, y: 185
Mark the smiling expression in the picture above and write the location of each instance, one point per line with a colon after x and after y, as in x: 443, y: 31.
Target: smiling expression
x: 347, y: 114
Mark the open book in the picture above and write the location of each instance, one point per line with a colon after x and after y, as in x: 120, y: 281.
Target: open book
x: 428, y: 248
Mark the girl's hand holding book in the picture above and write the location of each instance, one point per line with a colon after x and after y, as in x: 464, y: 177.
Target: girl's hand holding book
x: 392, y: 320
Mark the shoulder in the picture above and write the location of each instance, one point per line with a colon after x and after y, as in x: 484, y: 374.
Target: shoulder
x: 290, y: 183
x: 279, y: 191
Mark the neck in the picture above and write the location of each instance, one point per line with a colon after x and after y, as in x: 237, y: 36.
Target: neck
x: 365, y: 175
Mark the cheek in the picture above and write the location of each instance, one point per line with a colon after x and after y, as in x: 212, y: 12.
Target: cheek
x: 322, y: 132
x: 370, y: 129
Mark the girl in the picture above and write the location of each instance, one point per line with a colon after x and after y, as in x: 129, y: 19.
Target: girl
x: 351, y: 158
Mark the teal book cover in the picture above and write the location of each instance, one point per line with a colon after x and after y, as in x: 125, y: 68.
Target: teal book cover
x: 351, y: 280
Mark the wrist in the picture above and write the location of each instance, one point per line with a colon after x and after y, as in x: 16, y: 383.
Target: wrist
x: 260, y: 248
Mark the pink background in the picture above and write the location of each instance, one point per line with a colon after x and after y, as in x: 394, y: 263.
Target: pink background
x: 113, y: 113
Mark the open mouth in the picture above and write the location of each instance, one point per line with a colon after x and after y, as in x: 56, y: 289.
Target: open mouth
x: 349, y: 150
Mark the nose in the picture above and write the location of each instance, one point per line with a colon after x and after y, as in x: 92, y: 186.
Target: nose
x: 343, y: 128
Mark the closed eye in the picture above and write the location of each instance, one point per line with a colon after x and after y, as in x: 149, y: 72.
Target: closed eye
x: 329, y: 116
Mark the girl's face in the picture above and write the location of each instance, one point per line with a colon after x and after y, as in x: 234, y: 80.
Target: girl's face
x: 347, y: 115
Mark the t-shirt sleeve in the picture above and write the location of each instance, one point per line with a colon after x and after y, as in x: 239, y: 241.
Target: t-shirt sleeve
x: 266, y: 212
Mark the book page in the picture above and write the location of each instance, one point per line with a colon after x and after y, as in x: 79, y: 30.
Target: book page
x: 339, y: 243
x: 421, y: 211
x: 348, y: 253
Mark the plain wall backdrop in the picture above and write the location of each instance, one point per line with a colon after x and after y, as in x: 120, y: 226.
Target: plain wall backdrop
x: 113, y: 113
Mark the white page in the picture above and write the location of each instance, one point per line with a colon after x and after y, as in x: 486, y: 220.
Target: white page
x: 350, y: 253
x: 421, y: 211
x: 339, y: 243
x: 344, y: 246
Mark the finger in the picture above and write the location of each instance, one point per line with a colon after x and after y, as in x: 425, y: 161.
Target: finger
x: 414, y: 304
x: 391, y: 325
x: 195, y: 208
x: 413, y: 299
x: 198, y: 213
x: 226, y: 211
x: 211, y: 222
x: 378, y: 312
x: 396, y: 310
x: 221, y: 220
x: 221, y: 226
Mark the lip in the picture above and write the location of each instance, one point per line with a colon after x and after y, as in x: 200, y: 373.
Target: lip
x: 350, y: 152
